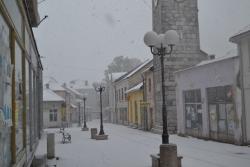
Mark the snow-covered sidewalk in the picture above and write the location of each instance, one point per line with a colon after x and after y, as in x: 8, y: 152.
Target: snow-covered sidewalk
x: 131, y: 147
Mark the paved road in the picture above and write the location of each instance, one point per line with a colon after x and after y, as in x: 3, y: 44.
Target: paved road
x: 131, y: 147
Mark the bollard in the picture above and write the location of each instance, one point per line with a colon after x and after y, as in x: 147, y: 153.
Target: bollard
x: 168, y: 155
x: 50, y: 145
x: 93, y: 132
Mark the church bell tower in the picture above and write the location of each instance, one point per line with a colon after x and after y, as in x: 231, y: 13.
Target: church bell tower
x: 182, y: 16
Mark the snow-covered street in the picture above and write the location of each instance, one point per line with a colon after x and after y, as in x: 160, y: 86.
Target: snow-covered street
x: 131, y: 147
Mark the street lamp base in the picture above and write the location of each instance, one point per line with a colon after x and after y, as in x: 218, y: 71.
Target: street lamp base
x: 85, y: 129
x: 167, y: 157
x: 101, y: 137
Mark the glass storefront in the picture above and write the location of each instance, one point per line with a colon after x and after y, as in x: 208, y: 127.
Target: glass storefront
x: 221, y: 112
x: 5, y: 94
x: 19, y: 98
x: 193, y: 109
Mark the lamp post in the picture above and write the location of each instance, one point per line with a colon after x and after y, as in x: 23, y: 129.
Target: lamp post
x: 162, y: 45
x: 84, y: 128
x: 84, y: 112
x: 100, y: 89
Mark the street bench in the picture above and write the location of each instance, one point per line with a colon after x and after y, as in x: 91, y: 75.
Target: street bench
x: 66, y: 137
x: 61, y: 130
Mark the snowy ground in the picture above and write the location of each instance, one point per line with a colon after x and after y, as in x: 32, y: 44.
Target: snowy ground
x: 131, y: 147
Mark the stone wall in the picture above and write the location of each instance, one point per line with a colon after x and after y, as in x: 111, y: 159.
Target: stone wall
x: 181, y: 16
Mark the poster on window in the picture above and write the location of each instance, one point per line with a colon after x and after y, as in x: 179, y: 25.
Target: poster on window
x: 213, y: 118
x: 5, y: 86
x: 5, y: 76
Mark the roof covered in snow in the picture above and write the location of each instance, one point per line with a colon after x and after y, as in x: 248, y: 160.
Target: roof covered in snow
x: 49, y: 95
x: 73, y: 106
x: 229, y: 55
x: 73, y: 91
x: 243, y: 31
x: 138, y: 68
x: 56, y: 87
x: 80, y: 84
x: 135, y: 88
x: 116, y: 75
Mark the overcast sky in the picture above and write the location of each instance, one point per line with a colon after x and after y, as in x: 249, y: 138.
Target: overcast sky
x: 81, y: 37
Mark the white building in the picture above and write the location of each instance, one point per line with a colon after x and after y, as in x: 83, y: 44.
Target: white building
x: 242, y: 39
x: 209, y: 100
x: 52, y: 109
x: 111, y: 111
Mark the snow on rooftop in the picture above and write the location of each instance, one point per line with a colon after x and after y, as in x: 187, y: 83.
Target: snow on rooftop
x: 73, y: 106
x: 135, y: 88
x: 49, y: 95
x: 56, y: 87
x: 80, y: 84
x: 117, y: 75
x: 73, y: 91
x: 138, y: 68
x: 244, y: 30
x: 148, y: 68
x: 230, y: 54
x: 49, y: 79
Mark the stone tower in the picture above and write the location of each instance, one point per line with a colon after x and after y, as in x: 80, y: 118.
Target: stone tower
x: 182, y: 16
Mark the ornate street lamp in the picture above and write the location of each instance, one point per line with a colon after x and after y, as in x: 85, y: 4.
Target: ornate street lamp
x: 84, y: 128
x: 100, y: 89
x: 162, y: 45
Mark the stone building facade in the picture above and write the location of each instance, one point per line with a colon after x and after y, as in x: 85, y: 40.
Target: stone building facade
x: 182, y: 16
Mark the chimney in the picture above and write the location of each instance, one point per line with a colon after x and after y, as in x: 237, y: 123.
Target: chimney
x: 47, y: 85
x: 211, y: 57
x: 86, y: 83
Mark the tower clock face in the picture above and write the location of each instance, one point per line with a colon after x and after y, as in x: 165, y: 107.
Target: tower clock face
x: 155, y: 2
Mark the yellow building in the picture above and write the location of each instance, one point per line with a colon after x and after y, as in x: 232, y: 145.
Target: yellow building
x: 135, y: 97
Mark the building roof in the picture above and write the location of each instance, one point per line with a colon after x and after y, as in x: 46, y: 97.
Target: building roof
x: 133, y: 71
x: 73, y: 91
x: 229, y: 55
x: 149, y: 68
x: 72, y: 105
x: 241, y: 33
x: 80, y: 84
x: 56, y: 87
x: 135, y: 88
x: 139, y: 67
x: 49, y: 95
x: 116, y: 75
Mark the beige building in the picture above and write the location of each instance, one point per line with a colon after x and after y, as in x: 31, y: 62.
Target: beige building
x: 52, y: 109
x: 149, y: 98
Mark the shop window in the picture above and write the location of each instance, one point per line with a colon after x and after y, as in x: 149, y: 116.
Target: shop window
x: 28, y: 114
x: 27, y: 42
x: 193, y: 109
x: 15, y: 14
x: 5, y: 94
x: 122, y: 94
x: 19, y: 98
x: 53, y: 115
x: 221, y: 110
x: 125, y: 92
x: 5, y: 75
